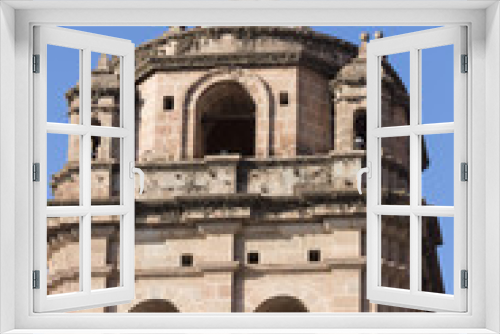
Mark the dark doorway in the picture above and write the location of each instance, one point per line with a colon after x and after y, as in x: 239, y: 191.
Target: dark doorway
x: 153, y: 306
x: 281, y: 304
x: 227, y: 121
x: 359, y: 130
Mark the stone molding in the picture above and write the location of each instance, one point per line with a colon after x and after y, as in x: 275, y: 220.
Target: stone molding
x: 297, y: 45
x: 305, y: 35
x: 324, y: 266
x: 66, y: 275
x: 198, y: 270
x: 302, y: 58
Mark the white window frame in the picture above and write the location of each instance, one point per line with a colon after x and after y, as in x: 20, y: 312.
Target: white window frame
x: 413, y: 43
x: 483, y: 102
x: 85, y: 43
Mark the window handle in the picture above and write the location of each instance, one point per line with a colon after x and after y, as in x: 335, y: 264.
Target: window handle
x: 360, y: 173
x: 135, y: 170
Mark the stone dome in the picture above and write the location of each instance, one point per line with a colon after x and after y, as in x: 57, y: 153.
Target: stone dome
x: 211, y: 47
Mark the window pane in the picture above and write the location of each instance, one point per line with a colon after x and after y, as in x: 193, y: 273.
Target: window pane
x: 105, y: 173
x: 105, y: 249
x: 105, y: 90
x: 437, y: 84
x: 395, y: 173
x: 63, y: 169
x: 437, y: 254
x: 63, y: 255
x: 63, y: 74
x: 395, y: 86
x: 395, y: 252
x: 437, y: 174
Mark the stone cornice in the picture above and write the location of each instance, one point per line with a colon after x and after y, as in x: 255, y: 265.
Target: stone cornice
x: 321, y: 205
x: 258, y: 162
x: 62, y: 276
x: 202, y: 269
x: 324, y: 266
x: 304, y: 58
x: 198, y: 270
x: 286, y: 268
x: 302, y: 35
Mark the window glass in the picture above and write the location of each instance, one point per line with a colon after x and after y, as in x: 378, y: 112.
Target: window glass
x: 395, y: 253
x: 63, y: 88
x: 395, y: 173
x: 395, y: 98
x: 63, y: 169
x: 437, y: 84
x: 105, y: 89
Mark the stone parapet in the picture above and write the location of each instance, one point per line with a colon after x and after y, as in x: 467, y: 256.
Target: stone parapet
x: 266, y: 176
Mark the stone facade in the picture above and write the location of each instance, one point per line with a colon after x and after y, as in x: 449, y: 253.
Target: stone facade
x: 250, y: 139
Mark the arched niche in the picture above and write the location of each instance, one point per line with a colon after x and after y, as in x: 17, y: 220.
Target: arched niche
x: 282, y: 304
x: 154, y: 306
x: 359, y: 129
x: 193, y: 108
x: 226, y: 121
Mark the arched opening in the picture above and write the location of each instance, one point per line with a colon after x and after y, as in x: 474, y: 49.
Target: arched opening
x: 95, y: 140
x: 153, y: 306
x: 359, y: 130
x: 226, y: 121
x: 282, y: 304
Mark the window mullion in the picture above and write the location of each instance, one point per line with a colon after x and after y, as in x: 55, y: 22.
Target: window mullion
x: 85, y: 240
x: 414, y: 169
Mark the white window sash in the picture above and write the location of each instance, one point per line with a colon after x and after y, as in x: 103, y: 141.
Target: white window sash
x: 413, y: 298
x: 86, y: 297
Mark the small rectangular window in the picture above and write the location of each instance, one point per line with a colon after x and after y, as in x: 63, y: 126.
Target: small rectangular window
x: 283, y: 98
x: 253, y: 258
x: 168, y: 103
x: 187, y: 260
x: 314, y: 255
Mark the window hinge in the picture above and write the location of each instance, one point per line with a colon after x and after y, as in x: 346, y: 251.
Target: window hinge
x: 36, y: 63
x: 36, y: 279
x: 464, y: 279
x: 465, y: 64
x: 464, y: 172
x: 36, y: 172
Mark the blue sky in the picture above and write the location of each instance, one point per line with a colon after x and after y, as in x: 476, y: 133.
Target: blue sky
x: 437, y: 106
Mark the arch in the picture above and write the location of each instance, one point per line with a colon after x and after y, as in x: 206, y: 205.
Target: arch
x: 359, y: 129
x: 95, y: 140
x: 153, y: 306
x: 226, y: 121
x: 282, y: 304
x: 255, y: 88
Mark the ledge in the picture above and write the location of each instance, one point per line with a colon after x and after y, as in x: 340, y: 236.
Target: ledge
x: 195, y: 271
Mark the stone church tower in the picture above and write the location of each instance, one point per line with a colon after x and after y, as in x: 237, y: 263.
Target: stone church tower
x: 250, y: 139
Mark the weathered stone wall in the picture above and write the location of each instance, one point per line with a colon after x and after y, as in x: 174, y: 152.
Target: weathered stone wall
x: 314, y: 131
x: 66, y: 183
x: 286, y: 243
x: 209, y: 292
x: 232, y: 174
x: 348, y: 100
x: 166, y: 134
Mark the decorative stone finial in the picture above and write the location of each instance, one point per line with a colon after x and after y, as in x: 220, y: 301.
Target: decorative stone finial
x: 104, y: 63
x: 364, y: 38
x: 177, y: 28
x: 115, y: 61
